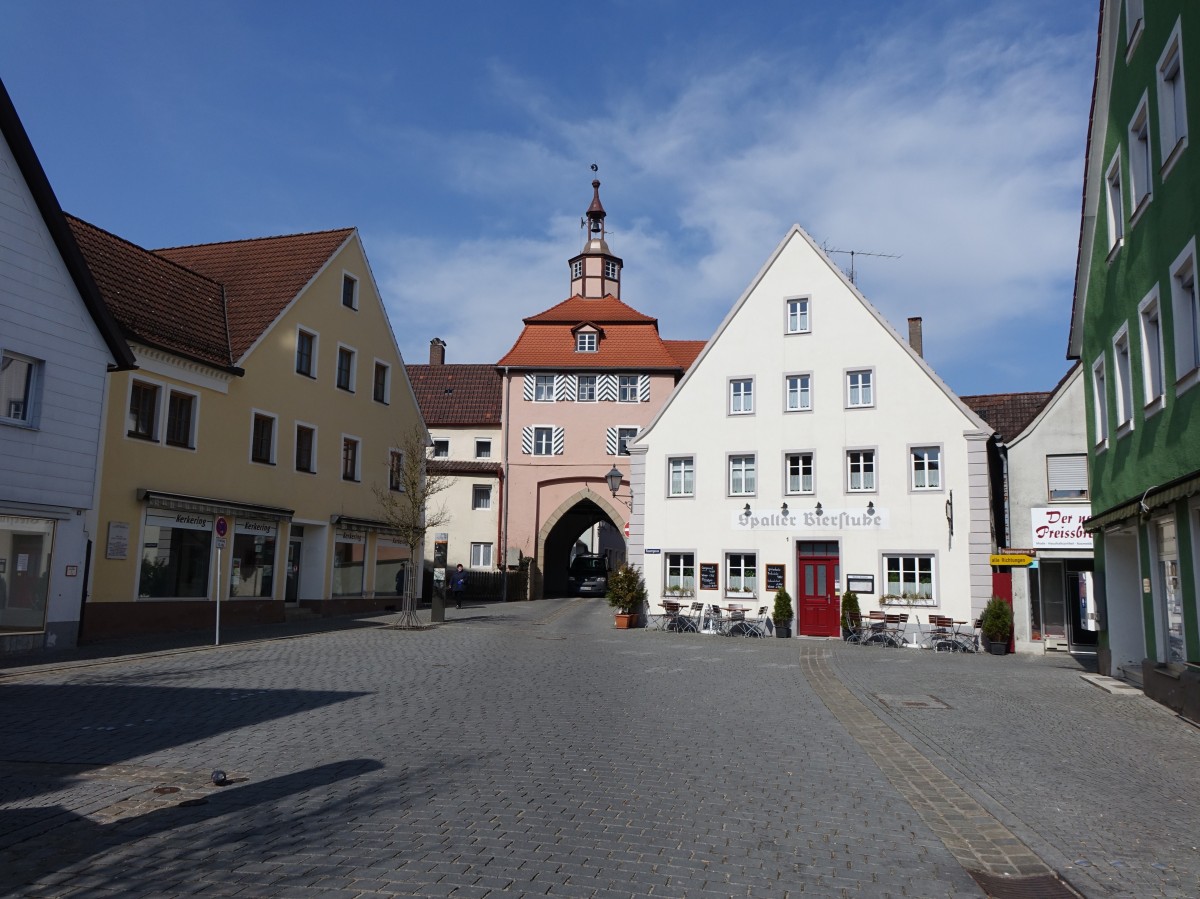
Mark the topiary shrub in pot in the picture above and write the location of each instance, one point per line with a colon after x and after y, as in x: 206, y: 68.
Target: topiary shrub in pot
x: 782, y: 614
x: 626, y: 594
x: 849, y: 607
x: 996, y: 623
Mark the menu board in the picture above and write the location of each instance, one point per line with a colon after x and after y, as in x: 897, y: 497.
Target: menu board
x: 708, y: 576
x: 775, y: 577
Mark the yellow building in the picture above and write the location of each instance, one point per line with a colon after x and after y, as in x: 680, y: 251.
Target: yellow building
x: 244, y: 454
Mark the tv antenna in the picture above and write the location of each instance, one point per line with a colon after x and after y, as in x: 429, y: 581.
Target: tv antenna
x: 853, y: 253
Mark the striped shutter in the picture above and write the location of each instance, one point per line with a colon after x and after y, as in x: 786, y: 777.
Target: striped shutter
x: 527, y: 439
x: 528, y: 394
x: 564, y: 388
x: 610, y: 441
x: 643, y: 388
x: 606, y: 388
x: 560, y: 441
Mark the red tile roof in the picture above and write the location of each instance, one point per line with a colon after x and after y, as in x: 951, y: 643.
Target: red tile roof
x: 155, y: 301
x: 261, y: 275
x: 457, y: 394
x: 1008, y: 413
x: 685, y: 351
x: 598, y: 312
x: 466, y: 466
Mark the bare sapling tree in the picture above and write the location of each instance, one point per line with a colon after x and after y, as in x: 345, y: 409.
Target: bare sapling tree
x: 413, y: 482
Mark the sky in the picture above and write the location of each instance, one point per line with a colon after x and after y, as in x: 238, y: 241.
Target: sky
x: 947, y: 136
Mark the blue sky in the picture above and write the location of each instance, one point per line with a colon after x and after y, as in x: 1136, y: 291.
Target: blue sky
x: 458, y: 136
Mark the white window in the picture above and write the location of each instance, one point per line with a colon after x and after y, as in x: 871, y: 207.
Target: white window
x: 910, y: 577
x: 797, y: 321
x: 1115, y: 203
x: 481, y: 496
x: 577, y: 268
x: 143, y: 401
x: 1186, y: 313
x: 585, y: 388
x: 860, y: 470
x: 681, y: 572
x: 1172, y: 103
x: 306, y: 449
x: 349, y: 291
x: 1124, y: 385
x: 18, y: 387
x: 481, y: 555
x: 627, y: 388
x: 610, y: 269
x: 1139, y: 159
x: 859, y: 389
x: 1153, y: 376
x: 483, y: 449
x: 741, y: 396
x: 799, y: 472
x: 350, y: 459
x: 1134, y: 24
x: 345, y: 368
x: 1100, y: 401
x: 741, y: 573
x: 926, y: 468
x: 181, y: 419
x: 585, y: 342
x: 624, y: 435
x: 543, y: 388
x: 681, y: 476
x: 1067, y: 478
x: 381, y: 390
x: 798, y: 393
x: 441, y: 448
x: 543, y: 441
x: 742, y: 475
x: 306, y: 353
x: 396, y: 471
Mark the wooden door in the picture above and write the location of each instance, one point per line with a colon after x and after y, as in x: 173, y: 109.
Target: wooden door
x: 819, y: 609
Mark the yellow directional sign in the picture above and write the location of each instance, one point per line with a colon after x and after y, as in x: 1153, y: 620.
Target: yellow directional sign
x: 1014, y: 560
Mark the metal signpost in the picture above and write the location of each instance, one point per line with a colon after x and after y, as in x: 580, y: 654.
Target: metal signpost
x: 222, y: 528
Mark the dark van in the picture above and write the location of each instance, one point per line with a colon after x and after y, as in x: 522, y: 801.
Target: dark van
x: 588, y: 575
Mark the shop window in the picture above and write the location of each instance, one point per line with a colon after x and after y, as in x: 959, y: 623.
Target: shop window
x: 349, y: 555
x: 25, y: 545
x: 176, y: 549
x: 253, y: 569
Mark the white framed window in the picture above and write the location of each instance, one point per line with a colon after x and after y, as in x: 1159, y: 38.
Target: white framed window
x: 585, y: 388
x: 1135, y: 24
x: 306, y: 448
x: 1124, y: 373
x: 346, y: 375
x: 681, y: 476
x: 624, y: 435
x: 860, y: 471
x: 481, y: 496
x: 483, y: 448
x: 1172, y: 101
x: 182, y: 411
x: 627, y: 388
x: 799, y: 473
x: 481, y: 555
x: 741, y: 573
x: 1115, y: 203
x: 1153, y: 372
x: 1100, y: 401
x: 543, y: 441
x: 543, y: 388
x: 910, y: 576
x: 1186, y: 314
x: 1139, y: 160
x: 741, y: 396
x: 926, y: 467
x: 585, y: 342
x: 797, y: 393
x: 396, y: 471
x: 1067, y: 478
x: 796, y: 315
x: 306, y: 352
x: 742, y: 475
x: 577, y: 269
x: 860, y: 388
x: 143, y: 402
x: 680, y: 572
x: 351, y: 459
x: 20, y: 384
x: 262, y: 437
x: 441, y: 448
x: 611, y: 269
x: 381, y: 383
x: 349, y: 291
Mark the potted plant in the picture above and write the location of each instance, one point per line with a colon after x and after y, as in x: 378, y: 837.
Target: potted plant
x: 782, y: 614
x: 849, y: 607
x: 996, y: 624
x: 626, y: 594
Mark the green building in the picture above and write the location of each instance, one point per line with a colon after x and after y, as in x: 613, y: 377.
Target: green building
x: 1136, y: 329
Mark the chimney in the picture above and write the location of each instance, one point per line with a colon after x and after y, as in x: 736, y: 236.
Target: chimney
x: 437, y: 351
x: 914, y: 335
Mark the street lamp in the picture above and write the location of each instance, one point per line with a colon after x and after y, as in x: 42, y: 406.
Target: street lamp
x: 613, y: 478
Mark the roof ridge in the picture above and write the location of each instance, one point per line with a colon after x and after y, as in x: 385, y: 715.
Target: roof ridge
x: 981, y: 396
x: 141, y: 249
x: 244, y: 240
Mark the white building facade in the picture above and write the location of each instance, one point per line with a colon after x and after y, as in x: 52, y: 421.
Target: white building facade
x: 810, y: 447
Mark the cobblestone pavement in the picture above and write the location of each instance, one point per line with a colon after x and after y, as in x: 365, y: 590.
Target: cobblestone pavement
x: 530, y: 749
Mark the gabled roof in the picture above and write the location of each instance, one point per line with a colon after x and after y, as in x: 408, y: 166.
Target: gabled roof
x: 56, y: 223
x: 606, y: 311
x: 156, y: 302
x: 1008, y: 413
x: 685, y: 351
x: 261, y: 276
x: 459, y: 395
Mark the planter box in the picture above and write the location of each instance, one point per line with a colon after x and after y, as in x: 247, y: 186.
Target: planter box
x: 783, y: 630
x: 624, y: 622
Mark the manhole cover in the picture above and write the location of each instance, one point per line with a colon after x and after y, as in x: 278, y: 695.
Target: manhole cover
x: 1043, y: 886
x: 162, y: 791
x: 894, y: 701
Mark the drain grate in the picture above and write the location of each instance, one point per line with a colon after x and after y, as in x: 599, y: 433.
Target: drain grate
x: 1043, y: 886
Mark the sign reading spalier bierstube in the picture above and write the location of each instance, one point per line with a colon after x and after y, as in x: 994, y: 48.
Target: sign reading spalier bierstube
x: 1061, y: 527
x: 809, y: 520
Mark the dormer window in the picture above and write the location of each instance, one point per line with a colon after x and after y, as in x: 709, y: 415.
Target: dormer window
x: 585, y: 342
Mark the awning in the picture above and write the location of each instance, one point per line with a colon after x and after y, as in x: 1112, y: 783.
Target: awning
x: 364, y: 524
x: 1155, y: 498
x: 181, y: 502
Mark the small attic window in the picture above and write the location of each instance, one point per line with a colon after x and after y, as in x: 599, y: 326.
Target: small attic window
x: 349, y: 291
x: 577, y: 269
x: 585, y: 342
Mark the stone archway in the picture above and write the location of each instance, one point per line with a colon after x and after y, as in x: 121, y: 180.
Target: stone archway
x: 560, y: 530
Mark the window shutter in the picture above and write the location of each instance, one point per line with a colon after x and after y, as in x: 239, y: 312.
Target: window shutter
x: 564, y: 388
x: 560, y: 440
x: 606, y: 388
x: 528, y: 392
x: 1067, y: 475
x: 610, y: 441
x: 644, y: 388
x: 527, y: 439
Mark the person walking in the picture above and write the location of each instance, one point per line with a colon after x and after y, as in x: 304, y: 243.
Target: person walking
x: 458, y: 585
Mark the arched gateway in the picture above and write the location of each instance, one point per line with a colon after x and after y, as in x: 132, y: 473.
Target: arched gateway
x: 561, y: 532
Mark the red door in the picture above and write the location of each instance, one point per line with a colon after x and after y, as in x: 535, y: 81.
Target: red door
x: 819, y: 606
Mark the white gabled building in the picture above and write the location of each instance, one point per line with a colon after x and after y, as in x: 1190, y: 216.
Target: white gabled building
x: 856, y: 464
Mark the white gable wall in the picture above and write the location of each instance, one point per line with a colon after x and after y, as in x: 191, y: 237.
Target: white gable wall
x: 910, y: 408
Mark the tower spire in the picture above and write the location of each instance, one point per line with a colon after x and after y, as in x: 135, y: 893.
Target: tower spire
x: 596, y: 272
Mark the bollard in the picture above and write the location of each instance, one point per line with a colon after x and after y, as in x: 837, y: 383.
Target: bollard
x: 437, y: 604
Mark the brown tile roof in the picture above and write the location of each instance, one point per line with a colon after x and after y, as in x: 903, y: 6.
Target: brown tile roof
x: 598, y: 312
x: 1008, y: 413
x: 466, y: 466
x: 154, y: 300
x: 457, y: 394
x: 261, y: 275
x: 685, y: 351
